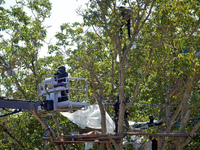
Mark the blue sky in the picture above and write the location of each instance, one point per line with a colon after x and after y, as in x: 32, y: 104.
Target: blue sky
x: 63, y: 11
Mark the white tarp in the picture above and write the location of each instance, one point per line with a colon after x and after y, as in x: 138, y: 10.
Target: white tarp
x: 91, y: 117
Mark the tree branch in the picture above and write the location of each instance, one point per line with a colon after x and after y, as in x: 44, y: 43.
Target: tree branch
x: 3, y: 128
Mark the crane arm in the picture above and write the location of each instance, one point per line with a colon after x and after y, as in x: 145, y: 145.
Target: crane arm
x: 19, y: 104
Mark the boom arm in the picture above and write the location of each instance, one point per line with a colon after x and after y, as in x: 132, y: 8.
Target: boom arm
x: 19, y: 104
x: 60, y: 97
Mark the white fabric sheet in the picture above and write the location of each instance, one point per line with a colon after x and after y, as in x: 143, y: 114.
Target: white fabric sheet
x: 91, y: 117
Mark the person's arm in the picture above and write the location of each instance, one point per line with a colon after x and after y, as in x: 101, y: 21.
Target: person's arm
x: 113, y: 106
x: 56, y: 76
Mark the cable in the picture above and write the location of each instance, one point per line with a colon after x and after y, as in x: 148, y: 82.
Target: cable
x: 11, y: 113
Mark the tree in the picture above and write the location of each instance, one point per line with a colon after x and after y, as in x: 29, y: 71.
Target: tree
x: 161, y: 31
x: 163, y: 68
x: 20, y: 51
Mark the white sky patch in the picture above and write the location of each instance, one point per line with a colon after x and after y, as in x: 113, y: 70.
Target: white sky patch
x: 63, y: 11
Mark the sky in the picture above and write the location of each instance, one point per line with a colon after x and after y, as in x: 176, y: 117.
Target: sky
x: 63, y: 11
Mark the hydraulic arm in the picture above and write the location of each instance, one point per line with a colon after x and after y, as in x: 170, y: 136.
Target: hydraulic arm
x: 19, y: 104
x: 60, y: 97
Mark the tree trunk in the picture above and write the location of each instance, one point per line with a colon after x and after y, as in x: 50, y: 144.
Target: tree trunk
x: 46, y: 127
x: 121, y: 100
x: 58, y: 129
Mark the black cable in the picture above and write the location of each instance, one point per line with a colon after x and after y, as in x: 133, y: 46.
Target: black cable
x: 11, y: 113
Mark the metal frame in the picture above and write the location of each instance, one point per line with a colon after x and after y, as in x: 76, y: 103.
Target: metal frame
x: 54, y: 92
x: 19, y: 104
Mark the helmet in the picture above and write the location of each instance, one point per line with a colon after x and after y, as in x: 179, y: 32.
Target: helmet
x: 117, y: 96
x: 63, y: 67
x: 151, y: 117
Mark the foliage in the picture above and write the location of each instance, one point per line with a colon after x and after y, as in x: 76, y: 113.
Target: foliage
x: 157, y: 72
x: 159, y: 77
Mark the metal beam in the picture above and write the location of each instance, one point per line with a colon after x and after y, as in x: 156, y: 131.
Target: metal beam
x: 165, y: 134
x: 19, y: 104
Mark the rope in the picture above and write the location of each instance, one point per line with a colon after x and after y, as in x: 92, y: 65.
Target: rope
x: 150, y: 103
x: 46, y: 135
